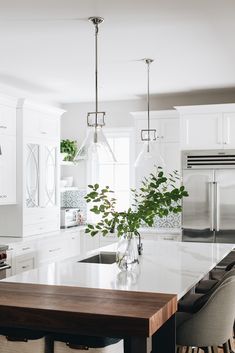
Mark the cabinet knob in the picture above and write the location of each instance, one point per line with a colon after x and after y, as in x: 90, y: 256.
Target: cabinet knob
x: 225, y: 143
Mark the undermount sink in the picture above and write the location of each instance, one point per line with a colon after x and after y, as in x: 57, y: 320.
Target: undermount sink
x: 107, y: 258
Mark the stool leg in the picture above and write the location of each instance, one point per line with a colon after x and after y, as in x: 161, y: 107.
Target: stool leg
x: 226, y: 348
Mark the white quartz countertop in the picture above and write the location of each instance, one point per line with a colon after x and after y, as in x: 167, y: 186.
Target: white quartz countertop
x: 165, y: 267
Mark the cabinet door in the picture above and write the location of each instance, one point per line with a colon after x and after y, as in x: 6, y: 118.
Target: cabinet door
x: 32, y: 175
x: 143, y: 125
x: 171, y: 155
x: 7, y: 170
x: 169, y: 130
x: 7, y: 120
x: 202, y: 131
x: 229, y: 130
x: 49, y: 176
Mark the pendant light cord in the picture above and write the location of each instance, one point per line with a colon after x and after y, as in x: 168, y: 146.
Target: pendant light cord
x: 148, y: 101
x: 96, y: 74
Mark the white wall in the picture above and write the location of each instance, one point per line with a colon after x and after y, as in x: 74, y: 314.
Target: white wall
x: 73, y: 124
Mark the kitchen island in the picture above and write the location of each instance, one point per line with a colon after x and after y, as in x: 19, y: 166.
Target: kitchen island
x: 97, y: 299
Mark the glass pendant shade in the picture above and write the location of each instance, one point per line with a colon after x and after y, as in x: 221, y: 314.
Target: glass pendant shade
x: 150, y: 156
x: 96, y: 147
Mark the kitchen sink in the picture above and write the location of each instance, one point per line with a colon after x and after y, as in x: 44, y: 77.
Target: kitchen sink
x: 101, y: 258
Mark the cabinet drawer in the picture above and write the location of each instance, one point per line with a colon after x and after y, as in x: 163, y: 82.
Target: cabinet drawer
x: 51, y: 250
x: 171, y: 237
x: 7, y: 121
x: 21, y: 249
x: 39, y: 228
x: 23, y: 263
x: 39, y: 215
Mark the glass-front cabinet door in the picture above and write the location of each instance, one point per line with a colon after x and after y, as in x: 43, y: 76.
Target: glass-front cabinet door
x: 32, y: 175
x: 50, y: 176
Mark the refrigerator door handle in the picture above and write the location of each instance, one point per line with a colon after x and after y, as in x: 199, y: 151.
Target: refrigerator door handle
x: 217, y: 206
x: 212, y: 205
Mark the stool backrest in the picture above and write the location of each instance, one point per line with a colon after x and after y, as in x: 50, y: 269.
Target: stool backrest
x: 213, y: 324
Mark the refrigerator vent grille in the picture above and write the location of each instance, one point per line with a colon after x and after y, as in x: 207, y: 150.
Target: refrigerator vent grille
x: 216, y: 161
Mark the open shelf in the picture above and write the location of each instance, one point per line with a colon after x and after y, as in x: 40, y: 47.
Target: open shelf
x: 73, y: 164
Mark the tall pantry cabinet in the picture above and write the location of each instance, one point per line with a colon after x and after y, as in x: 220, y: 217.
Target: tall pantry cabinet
x: 7, y: 150
x: 38, y: 148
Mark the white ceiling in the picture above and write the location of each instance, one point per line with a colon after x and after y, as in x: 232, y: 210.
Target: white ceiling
x: 47, y: 47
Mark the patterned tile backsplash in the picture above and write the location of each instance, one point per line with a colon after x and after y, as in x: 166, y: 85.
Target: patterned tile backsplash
x: 171, y: 221
x: 75, y: 198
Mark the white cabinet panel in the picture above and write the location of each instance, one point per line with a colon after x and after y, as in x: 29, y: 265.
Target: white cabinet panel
x: 39, y: 125
x: 7, y: 170
x: 229, y: 130
x: 201, y: 131
x: 171, y: 155
x: 169, y: 130
x: 23, y: 263
x: 7, y: 120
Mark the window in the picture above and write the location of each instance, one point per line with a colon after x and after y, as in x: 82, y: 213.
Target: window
x: 118, y: 176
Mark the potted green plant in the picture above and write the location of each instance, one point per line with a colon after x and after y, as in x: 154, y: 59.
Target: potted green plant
x: 69, y: 149
x: 157, y: 196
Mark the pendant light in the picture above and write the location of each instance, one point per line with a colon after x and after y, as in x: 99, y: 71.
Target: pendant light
x: 150, y: 154
x: 95, y: 146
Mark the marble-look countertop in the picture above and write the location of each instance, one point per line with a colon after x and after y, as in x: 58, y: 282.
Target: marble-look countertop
x: 165, y: 267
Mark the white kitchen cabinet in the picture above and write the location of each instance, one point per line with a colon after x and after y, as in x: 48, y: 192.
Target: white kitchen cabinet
x: 7, y: 170
x: 167, y: 127
x: 38, y: 172
x: 88, y: 242
x: 166, y: 124
x: 7, y: 151
x: 23, y: 263
x: 201, y: 131
x: 229, y: 130
x: 207, y: 127
x: 8, y: 119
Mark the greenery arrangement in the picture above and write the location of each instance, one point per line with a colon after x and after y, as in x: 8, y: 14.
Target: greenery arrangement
x: 69, y: 147
x: 157, y: 196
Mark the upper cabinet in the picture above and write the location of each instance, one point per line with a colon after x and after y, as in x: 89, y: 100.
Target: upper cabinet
x: 167, y: 125
x: 207, y: 126
x: 7, y: 150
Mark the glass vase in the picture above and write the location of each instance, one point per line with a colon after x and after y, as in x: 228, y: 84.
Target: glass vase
x: 127, y: 252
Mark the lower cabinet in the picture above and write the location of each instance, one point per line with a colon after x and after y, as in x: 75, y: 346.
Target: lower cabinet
x: 23, y: 263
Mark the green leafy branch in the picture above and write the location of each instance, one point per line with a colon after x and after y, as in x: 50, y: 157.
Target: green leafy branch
x: 157, y: 196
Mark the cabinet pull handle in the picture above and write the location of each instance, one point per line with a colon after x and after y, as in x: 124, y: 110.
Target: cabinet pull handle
x: 3, y: 127
x: 43, y: 132
x: 53, y: 250
x: 27, y: 248
x: 3, y: 196
x: 0, y: 150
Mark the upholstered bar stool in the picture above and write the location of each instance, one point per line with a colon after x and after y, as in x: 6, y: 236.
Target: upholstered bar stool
x: 76, y: 343
x: 212, y: 325
x: 191, y: 303
x: 21, y: 341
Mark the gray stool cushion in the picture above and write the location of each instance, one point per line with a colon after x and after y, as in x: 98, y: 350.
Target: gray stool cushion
x: 191, y: 303
x: 205, y: 285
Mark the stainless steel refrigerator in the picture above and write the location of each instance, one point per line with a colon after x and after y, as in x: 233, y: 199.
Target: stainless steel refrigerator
x: 209, y: 211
